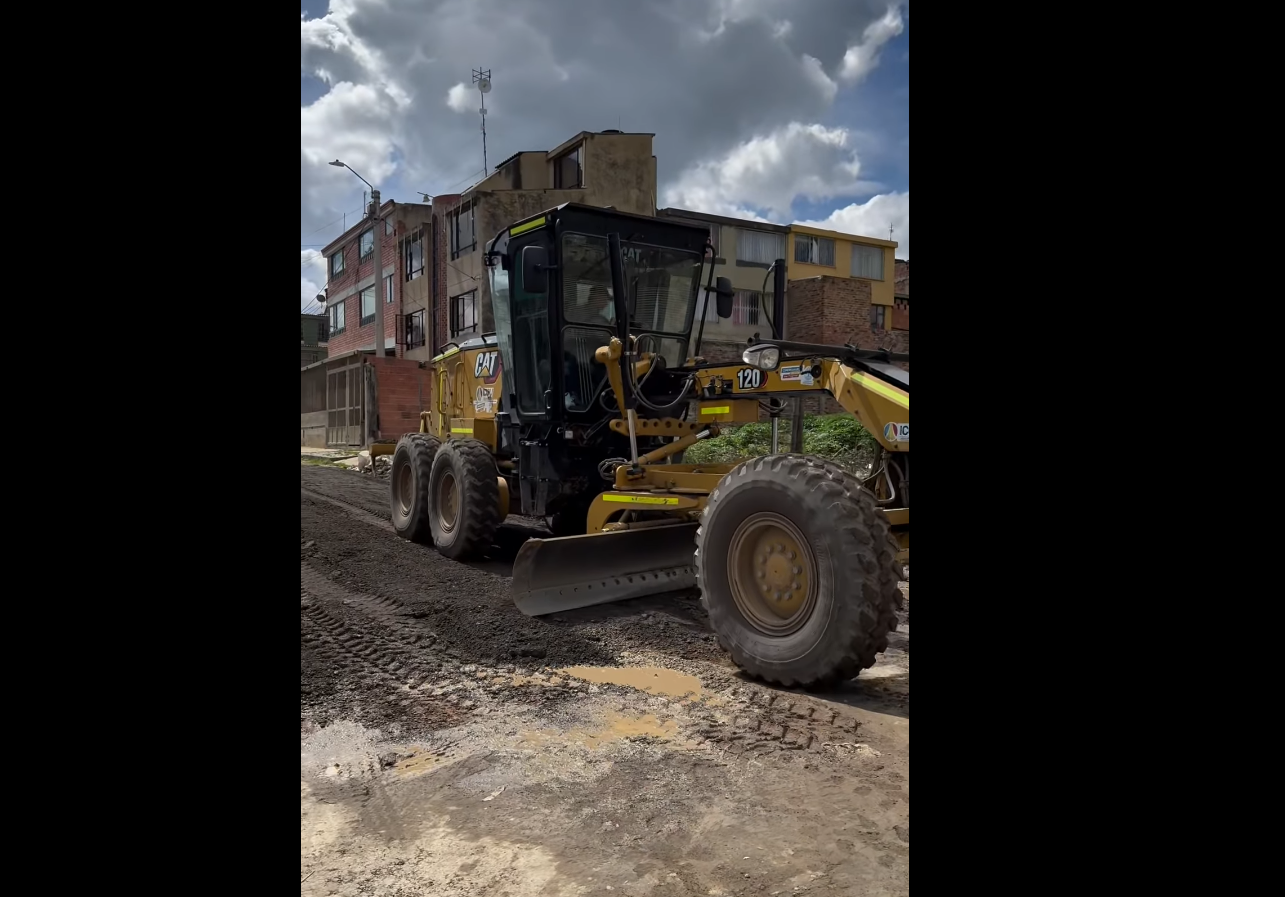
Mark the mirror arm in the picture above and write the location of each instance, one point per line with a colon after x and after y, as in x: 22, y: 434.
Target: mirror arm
x: 703, y: 306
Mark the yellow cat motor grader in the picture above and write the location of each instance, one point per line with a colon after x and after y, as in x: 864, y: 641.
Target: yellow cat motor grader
x: 578, y: 408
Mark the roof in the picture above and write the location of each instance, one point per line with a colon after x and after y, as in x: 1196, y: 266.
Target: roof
x: 515, y: 155
x: 572, y: 141
x: 822, y: 232
x: 722, y: 219
x: 356, y: 228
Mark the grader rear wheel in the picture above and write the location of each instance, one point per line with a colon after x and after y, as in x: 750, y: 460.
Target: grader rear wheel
x: 408, y: 484
x: 465, y: 499
x: 796, y: 570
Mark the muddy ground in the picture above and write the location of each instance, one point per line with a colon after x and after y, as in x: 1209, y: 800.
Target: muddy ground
x: 452, y: 746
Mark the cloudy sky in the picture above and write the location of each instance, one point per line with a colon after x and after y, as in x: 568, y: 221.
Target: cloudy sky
x: 784, y: 110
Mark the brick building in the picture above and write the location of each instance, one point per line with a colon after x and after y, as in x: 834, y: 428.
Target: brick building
x: 350, y: 279
x: 603, y: 168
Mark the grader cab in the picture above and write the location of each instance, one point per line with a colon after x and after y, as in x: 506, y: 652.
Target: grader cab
x: 577, y: 410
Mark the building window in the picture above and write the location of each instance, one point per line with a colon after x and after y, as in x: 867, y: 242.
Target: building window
x: 745, y: 307
x: 388, y: 225
x: 367, y: 305
x: 366, y: 243
x: 415, y: 329
x: 336, y: 264
x: 464, y: 314
x: 713, y: 238
x: 879, y: 317
x: 867, y: 262
x: 568, y: 170
x: 759, y: 247
x: 337, y: 317
x: 388, y: 290
x: 414, y: 255
x: 463, y: 233
x: 811, y: 250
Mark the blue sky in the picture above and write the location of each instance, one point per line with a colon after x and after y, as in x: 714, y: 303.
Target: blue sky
x: 780, y: 109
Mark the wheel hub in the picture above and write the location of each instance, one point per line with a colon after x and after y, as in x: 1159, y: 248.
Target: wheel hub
x: 406, y: 489
x: 773, y: 574
x: 448, y: 503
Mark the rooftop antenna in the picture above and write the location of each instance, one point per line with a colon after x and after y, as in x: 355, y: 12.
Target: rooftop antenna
x: 483, y: 81
x: 890, y: 233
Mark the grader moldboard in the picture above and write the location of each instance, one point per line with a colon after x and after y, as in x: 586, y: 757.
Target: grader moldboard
x: 578, y: 409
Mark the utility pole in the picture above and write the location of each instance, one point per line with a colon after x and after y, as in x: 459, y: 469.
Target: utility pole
x: 483, y: 81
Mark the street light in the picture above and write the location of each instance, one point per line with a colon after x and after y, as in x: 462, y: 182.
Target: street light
x: 378, y: 272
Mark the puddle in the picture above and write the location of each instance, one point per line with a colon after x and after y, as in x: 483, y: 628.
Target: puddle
x: 615, y: 727
x: 654, y: 680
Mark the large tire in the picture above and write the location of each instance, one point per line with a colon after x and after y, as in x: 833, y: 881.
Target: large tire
x: 408, y: 478
x: 464, y: 525
x: 840, y: 583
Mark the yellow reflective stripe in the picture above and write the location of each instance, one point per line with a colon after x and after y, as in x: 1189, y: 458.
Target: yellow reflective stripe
x: 530, y: 225
x: 447, y: 354
x: 461, y: 429
x: 721, y: 409
x: 880, y: 388
x: 640, y: 499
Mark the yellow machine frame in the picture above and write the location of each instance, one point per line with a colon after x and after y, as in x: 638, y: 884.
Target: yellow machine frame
x: 468, y: 380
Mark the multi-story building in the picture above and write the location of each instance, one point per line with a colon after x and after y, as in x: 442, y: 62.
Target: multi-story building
x: 350, y: 279
x: 744, y: 252
x: 604, y: 168
x: 314, y: 331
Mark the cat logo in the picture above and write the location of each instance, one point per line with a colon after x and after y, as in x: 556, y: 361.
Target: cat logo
x: 487, y: 366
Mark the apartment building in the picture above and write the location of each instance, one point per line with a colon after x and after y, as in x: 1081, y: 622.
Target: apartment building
x: 599, y: 168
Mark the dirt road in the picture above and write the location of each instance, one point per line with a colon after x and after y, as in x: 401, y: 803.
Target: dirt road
x: 452, y: 746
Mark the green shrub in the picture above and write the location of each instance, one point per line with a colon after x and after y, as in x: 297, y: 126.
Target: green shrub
x: 836, y: 437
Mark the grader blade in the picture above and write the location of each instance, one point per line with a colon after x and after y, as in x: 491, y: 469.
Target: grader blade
x: 553, y: 575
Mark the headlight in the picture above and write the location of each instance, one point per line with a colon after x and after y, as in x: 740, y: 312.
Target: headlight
x: 765, y: 358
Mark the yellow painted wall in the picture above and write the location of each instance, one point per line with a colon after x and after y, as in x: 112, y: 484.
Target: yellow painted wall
x: 881, y: 291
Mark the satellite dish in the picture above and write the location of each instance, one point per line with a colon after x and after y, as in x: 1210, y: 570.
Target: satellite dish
x: 484, y: 85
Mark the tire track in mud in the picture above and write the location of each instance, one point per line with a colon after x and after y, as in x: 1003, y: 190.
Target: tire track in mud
x: 362, y: 514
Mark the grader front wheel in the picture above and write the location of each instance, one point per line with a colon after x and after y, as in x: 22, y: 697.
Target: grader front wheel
x: 465, y: 499
x: 793, y: 563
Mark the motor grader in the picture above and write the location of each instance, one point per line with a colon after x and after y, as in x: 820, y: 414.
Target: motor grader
x: 578, y: 408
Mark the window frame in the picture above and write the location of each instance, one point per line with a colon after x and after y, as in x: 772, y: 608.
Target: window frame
x: 363, y: 318
x: 361, y: 255
x: 740, y: 245
x: 812, y: 241
x: 331, y: 263
x: 578, y: 152
x: 410, y: 329
x: 337, y: 312
x: 454, y: 317
x: 416, y: 239
x: 883, y: 273
x: 456, y: 245
x: 878, y: 317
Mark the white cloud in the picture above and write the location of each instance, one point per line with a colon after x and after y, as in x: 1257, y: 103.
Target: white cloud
x: 397, y: 67
x: 312, y: 279
x: 872, y: 218
x: 861, y: 59
x: 769, y: 173
x: 458, y: 99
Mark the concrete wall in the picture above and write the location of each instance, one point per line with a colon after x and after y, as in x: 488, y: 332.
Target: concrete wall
x: 312, y: 429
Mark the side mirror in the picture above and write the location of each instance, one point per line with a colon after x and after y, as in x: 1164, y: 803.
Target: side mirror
x: 726, y: 295
x: 535, y: 270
